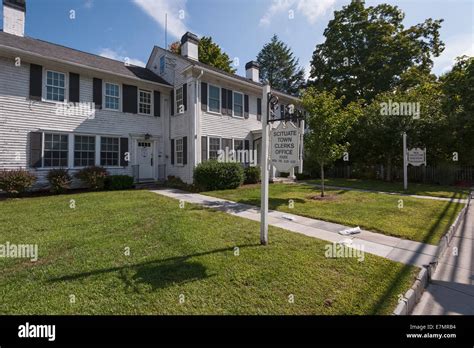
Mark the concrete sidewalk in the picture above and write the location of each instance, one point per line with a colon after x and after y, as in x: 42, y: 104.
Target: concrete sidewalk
x: 396, y: 249
x: 451, y: 290
x: 455, y: 200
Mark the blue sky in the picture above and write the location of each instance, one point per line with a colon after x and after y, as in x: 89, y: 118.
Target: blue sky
x: 130, y: 28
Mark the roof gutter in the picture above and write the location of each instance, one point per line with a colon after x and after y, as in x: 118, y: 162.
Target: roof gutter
x: 15, y: 50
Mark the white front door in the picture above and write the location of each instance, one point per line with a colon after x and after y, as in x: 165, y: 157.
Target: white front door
x: 145, y: 159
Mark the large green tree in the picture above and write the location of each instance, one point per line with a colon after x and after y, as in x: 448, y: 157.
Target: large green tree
x: 279, y: 67
x: 458, y: 104
x: 368, y: 49
x: 210, y: 53
x: 328, y: 121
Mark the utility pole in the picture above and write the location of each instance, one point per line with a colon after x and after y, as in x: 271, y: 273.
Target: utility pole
x: 265, y: 167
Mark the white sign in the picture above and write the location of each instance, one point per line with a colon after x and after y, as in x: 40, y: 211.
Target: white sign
x: 417, y: 157
x: 285, y: 147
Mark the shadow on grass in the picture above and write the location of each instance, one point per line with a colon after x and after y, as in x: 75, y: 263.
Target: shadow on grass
x: 157, y: 273
x: 390, y: 292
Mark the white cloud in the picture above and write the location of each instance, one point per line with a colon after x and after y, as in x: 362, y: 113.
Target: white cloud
x: 89, y: 4
x: 112, y: 54
x: 176, y: 10
x: 311, y: 9
x: 455, y: 46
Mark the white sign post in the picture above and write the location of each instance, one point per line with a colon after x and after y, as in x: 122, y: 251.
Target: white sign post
x: 265, y: 168
x: 285, y: 147
x: 405, y: 164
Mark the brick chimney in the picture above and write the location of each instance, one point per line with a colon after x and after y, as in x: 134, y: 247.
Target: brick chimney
x: 189, y: 46
x: 14, y: 12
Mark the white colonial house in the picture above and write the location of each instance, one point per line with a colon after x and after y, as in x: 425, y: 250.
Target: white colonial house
x: 64, y: 108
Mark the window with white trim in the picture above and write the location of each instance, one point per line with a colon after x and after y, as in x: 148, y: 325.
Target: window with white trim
x: 214, y: 147
x: 214, y: 99
x: 238, y: 104
x: 178, y: 150
x: 109, y: 151
x: 179, y: 100
x: 84, y: 150
x: 55, y: 150
x: 112, y: 96
x: 144, y: 102
x: 238, y: 144
x: 55, y: 86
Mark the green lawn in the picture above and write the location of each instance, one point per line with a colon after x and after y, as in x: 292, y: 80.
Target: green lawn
x: 177, y: 252
x: 421, y: 220
x: 397, y: 187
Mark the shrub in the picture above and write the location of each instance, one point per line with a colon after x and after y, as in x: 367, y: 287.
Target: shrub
x: 59, y: 180
x: 284, y: 175
x: 118, y: 182
x: 303, y: 176
x: 93, y: 176
x: 177, y: 183
x: 213, y: 175
x: 16, y: 181
x: 252, y: 175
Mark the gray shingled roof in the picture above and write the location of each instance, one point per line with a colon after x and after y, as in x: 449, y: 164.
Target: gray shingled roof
x: 50, y: 50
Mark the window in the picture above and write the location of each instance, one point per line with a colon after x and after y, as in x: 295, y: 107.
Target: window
x: 179, y: 151
x: 84, y: 151
x: 238, y: 144
x: 214, y: 102
x: 214, y: 147
x: 56, y: 149
x: 162, y: 65
x: 55, y: 86
x: 112, y: 96
x: 238, y: 104
x: 144, y: 102
x: 179, y: 101
x: 109, y: 151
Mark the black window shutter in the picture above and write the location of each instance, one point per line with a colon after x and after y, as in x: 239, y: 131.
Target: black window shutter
x: 185, y: 96
x: 172, y: 151
x: 246, y: 106
x: 224, y: 100
x: 97, y: 93
x: 203, y: 96
x: 247, y: 144
x: 36, y: 140
x: 123, y: 152
x: 259, y: 109
x: 36, y: 81
x: 130, y: 99
x: 185, y: 150
x: 203, y: 149
x: 157, y: 102
x: 74, y: 87
x: 230, y: 98
x: 172, y: 103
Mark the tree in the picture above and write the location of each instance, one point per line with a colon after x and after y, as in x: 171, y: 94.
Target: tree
x: 329, y: 121
x: 458, y: 104
x: 367, y: 49
x: 209, y: 53
x: 279, y: 67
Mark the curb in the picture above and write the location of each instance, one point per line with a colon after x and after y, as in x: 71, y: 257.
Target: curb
x: 407, y: 303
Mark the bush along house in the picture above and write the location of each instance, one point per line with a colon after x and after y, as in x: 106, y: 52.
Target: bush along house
x: 64, y: 108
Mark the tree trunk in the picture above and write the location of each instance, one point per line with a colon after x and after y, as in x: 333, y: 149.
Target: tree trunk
x: 389, y: 170
x: 322, y: 180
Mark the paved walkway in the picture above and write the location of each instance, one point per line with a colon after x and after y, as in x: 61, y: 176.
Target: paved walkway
x: 451, y: 290
x: 396, y: 249
x: 455, y: 200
